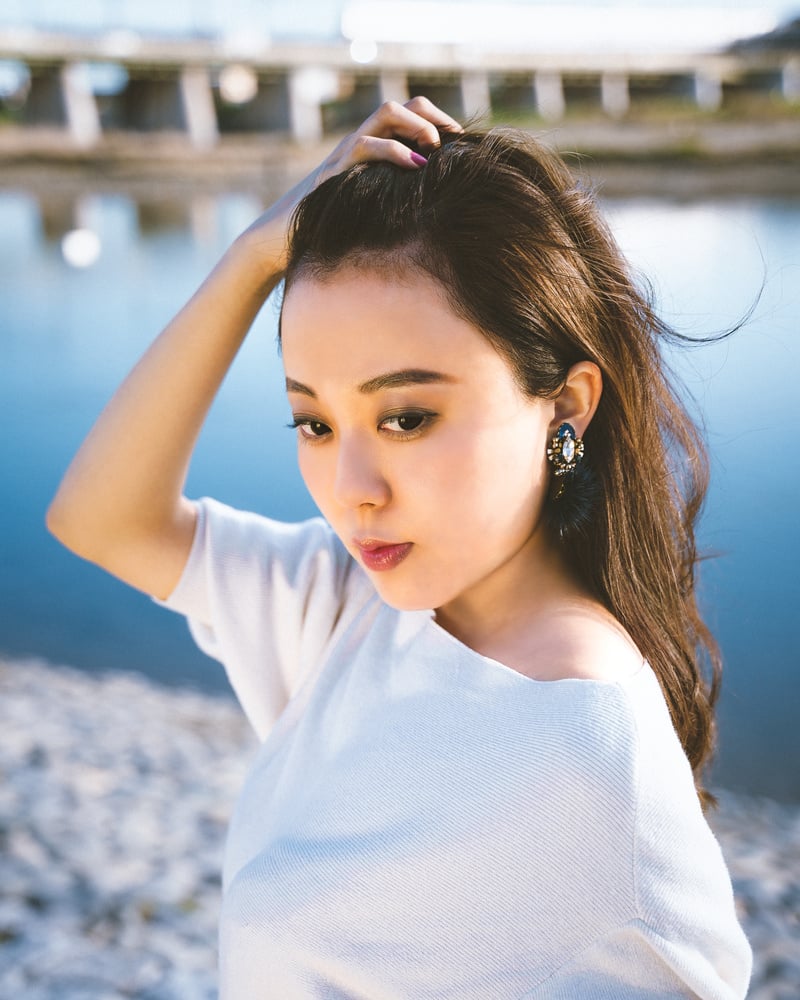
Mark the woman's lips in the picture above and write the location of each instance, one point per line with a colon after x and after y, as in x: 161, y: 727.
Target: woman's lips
x: 379, y: 556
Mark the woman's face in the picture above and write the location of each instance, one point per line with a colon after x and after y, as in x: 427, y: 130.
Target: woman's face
x: 414, y: 439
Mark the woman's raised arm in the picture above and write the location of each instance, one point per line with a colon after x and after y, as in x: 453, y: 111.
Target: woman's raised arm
x: 121, y: 501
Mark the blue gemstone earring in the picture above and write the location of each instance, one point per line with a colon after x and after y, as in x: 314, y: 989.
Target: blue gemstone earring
x: 565, y: 451
x: 574, y: 491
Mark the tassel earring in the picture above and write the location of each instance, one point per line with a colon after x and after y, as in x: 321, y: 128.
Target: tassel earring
x: 574, y: 489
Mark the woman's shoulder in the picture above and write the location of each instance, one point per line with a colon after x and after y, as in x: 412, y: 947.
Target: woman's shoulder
x: 580, y: 640
x: 220, y: 516
x: 230, y: 539
x: 603, y: 705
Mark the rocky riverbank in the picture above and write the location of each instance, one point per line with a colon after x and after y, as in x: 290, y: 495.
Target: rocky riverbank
x: 114, y: 797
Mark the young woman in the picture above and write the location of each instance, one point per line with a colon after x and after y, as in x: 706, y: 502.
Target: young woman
x: 480, y: 681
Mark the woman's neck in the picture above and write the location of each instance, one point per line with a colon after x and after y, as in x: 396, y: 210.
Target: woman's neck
x: 504, y: 607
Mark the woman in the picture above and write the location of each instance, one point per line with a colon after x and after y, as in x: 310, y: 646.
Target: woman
x: 478, y: 682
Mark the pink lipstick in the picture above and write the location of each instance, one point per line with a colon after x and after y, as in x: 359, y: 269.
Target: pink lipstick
x: 379, y: 556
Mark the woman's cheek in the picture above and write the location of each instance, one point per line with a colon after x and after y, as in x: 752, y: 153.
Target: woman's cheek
x: 313, y: 469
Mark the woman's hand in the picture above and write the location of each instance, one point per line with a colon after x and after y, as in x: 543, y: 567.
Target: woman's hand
x: 378, y: 138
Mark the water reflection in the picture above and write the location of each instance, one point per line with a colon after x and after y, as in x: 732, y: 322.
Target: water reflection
x: 68, y: 335
x: 205, y: 218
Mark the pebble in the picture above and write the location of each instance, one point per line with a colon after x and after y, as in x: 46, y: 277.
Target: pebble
x: 115, y: 794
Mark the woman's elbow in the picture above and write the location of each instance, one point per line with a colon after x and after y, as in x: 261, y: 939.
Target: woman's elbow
x: 64, y: 524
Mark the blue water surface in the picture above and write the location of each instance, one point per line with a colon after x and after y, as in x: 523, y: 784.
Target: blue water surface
x: 69, y: 334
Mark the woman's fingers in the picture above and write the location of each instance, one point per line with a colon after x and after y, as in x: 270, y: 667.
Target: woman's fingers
x: 427, y: 109
x: 386, y: 133
x: 418, y: 121
x: 369, y: 147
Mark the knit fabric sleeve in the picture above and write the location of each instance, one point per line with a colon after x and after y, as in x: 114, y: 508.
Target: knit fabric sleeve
x: 684, y: 893
x: 265, y: 598
x: 687, y: 943
x: 682, y: 938
x: 628, y: 964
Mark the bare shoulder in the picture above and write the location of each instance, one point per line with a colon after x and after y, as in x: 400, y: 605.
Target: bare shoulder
x: 583, y: 641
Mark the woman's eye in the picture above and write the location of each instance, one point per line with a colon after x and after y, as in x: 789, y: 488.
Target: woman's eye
x: 311, y: 429
x: 406, y: 423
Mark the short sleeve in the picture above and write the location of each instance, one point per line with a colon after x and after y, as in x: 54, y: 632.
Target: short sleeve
x: 685, y: 912
x: 676, y: 935
x: 265, y: 598
x: 684, y: 891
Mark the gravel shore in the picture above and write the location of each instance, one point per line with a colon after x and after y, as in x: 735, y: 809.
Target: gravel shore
x: 114, y: 798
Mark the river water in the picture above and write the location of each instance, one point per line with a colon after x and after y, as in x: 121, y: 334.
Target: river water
x: 69, y: 333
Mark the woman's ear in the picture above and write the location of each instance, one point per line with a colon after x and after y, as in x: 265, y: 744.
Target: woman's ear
x: 579, y: 397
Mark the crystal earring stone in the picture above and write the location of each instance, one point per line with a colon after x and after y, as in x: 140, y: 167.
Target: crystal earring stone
x: 565, y: 450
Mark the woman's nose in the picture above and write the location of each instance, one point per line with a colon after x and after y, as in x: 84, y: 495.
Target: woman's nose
x: 359, y: 478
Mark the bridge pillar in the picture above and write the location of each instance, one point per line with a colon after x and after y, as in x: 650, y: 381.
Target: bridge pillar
x: 790, y: 80
x: 393, y: 86
x: 305, y: 106
x: 83, y: 118
x: 614, y: 94
x: 548, y: 88
x: 476, y: 98
x: 707, y: 91
x: 198, y: 106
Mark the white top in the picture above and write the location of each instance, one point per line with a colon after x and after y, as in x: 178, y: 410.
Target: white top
x: 424, y: 822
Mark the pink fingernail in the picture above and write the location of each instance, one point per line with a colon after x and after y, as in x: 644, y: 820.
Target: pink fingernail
x: 420, y: 161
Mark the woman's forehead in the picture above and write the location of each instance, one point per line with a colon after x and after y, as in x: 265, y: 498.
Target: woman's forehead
x: 362, y: 306
x: 387, y: 275
x: 358, y: 327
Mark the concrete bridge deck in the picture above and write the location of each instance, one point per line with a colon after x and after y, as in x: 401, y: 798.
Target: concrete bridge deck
x: 203, y: 89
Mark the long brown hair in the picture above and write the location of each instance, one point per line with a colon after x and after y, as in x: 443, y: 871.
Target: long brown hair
x: 522, y: 253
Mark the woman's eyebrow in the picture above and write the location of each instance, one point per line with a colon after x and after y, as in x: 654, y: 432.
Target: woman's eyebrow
x: 388, y: 380
x: 292, y: 386
x: 406, y: 376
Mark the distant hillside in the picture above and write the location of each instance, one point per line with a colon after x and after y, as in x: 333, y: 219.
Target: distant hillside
x: 785, y: 38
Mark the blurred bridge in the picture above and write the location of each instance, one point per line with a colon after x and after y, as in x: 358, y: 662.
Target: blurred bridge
x: 204, y: 87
